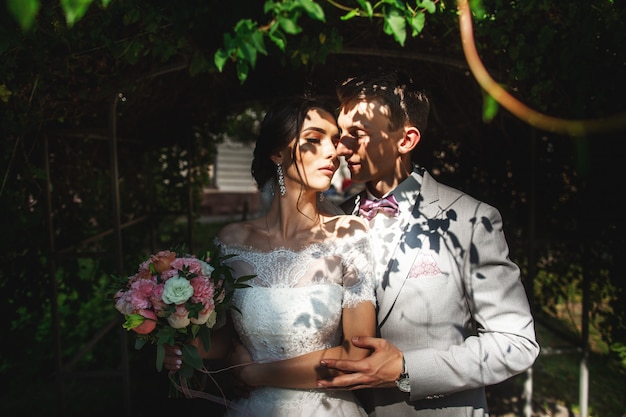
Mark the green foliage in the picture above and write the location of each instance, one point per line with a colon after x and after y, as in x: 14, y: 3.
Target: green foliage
x: 490, y: 108
x: 24, y: 11
x: 243, y: 46
x: 248, y: 39
x: 619, y: 349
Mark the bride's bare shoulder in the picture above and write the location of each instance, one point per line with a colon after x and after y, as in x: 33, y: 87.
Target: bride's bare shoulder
x: 239, y: 233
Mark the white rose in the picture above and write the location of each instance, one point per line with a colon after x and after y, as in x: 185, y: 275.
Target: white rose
x: 177, y: 290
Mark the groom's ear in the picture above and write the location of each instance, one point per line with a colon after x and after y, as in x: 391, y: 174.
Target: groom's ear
x: 410, y: 139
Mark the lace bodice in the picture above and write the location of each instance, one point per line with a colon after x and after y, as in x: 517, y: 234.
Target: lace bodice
x: 295, y: 301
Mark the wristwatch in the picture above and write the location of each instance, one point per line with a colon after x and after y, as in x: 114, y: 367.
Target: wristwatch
x: 403, y: 382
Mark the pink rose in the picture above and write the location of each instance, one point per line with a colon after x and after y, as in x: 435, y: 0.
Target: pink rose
x: 180, y: 318
x: 162, y: 260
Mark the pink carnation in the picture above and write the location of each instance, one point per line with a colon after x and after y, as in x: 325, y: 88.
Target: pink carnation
x: 193, y: 263
x: 169, y: 274
x: 156, y: 298
x: 123, y: 302
x: 203, y: 291
x: 142, y: 290
x: 136, y: 298
x: 144, y: 270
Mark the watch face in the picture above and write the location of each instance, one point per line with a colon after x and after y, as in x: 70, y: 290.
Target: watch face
x: 403, y: 384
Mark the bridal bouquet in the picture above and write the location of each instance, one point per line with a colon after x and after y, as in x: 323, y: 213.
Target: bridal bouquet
x: 173, y: 299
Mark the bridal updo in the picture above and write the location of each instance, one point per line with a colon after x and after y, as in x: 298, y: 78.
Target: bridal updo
x: 282, y: 123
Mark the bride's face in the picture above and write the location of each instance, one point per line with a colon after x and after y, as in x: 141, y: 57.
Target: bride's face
x: 316, y: 157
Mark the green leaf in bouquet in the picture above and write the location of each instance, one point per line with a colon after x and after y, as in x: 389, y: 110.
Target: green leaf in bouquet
x: 245, y: 278
x: 194, y: 309
x: 166, y: 335
x: 194, y: 330
x: 160, y: 356
x: 191, y: 356
x: 140, y: 342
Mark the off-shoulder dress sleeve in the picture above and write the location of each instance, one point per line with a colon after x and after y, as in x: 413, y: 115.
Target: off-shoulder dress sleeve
x: 358, y: 269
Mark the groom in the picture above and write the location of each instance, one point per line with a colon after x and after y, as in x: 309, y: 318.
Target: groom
x: 453, y: 314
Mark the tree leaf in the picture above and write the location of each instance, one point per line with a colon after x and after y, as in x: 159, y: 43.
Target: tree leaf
x: 290, y: 26
x: 74, y: 10
x: 395, y: 25
x: 429, y: 5
x: 24, y: 11
x: 490, y: 108
x: 313, y: 9
x: 242, y: 70
x: 417, y: 23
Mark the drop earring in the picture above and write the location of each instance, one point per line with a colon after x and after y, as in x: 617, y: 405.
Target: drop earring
x: 281, y: 180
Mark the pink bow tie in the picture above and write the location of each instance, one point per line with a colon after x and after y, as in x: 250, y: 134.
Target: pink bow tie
x: 387, y: 205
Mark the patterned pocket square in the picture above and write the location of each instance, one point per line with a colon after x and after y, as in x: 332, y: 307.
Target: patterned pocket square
x: 425, y: 265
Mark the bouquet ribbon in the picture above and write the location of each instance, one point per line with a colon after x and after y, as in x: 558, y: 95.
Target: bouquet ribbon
x: 191, y: 393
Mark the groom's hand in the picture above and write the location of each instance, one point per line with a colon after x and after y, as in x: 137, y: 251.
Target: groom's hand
x: 379, y: 370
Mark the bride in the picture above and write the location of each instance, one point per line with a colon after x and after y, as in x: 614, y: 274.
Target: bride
x: 313, y: 287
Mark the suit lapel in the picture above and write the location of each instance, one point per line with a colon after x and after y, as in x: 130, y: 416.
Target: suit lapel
x: 409, y: 244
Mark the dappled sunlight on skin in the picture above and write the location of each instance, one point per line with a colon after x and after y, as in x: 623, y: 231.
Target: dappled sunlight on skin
x: 365, y: 131
x: 311, y: 156
x: 333, y: 227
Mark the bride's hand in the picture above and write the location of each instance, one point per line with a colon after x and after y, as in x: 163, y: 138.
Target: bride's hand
x: 173, y: 358
x: 238, y: 359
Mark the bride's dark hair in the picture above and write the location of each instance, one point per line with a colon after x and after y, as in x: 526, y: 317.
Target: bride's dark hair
x: 282, y: 123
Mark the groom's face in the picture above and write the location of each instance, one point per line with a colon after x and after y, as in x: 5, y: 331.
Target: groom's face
x: 366, y: 143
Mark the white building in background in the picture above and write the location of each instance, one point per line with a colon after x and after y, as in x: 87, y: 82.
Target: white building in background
x: 232, y: 167
x: 234, y: 193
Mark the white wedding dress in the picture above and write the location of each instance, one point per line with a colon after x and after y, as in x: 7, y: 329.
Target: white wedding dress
x: 294, y: 307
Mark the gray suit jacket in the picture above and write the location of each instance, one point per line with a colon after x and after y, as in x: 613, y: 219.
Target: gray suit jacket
x: 453, y: 302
